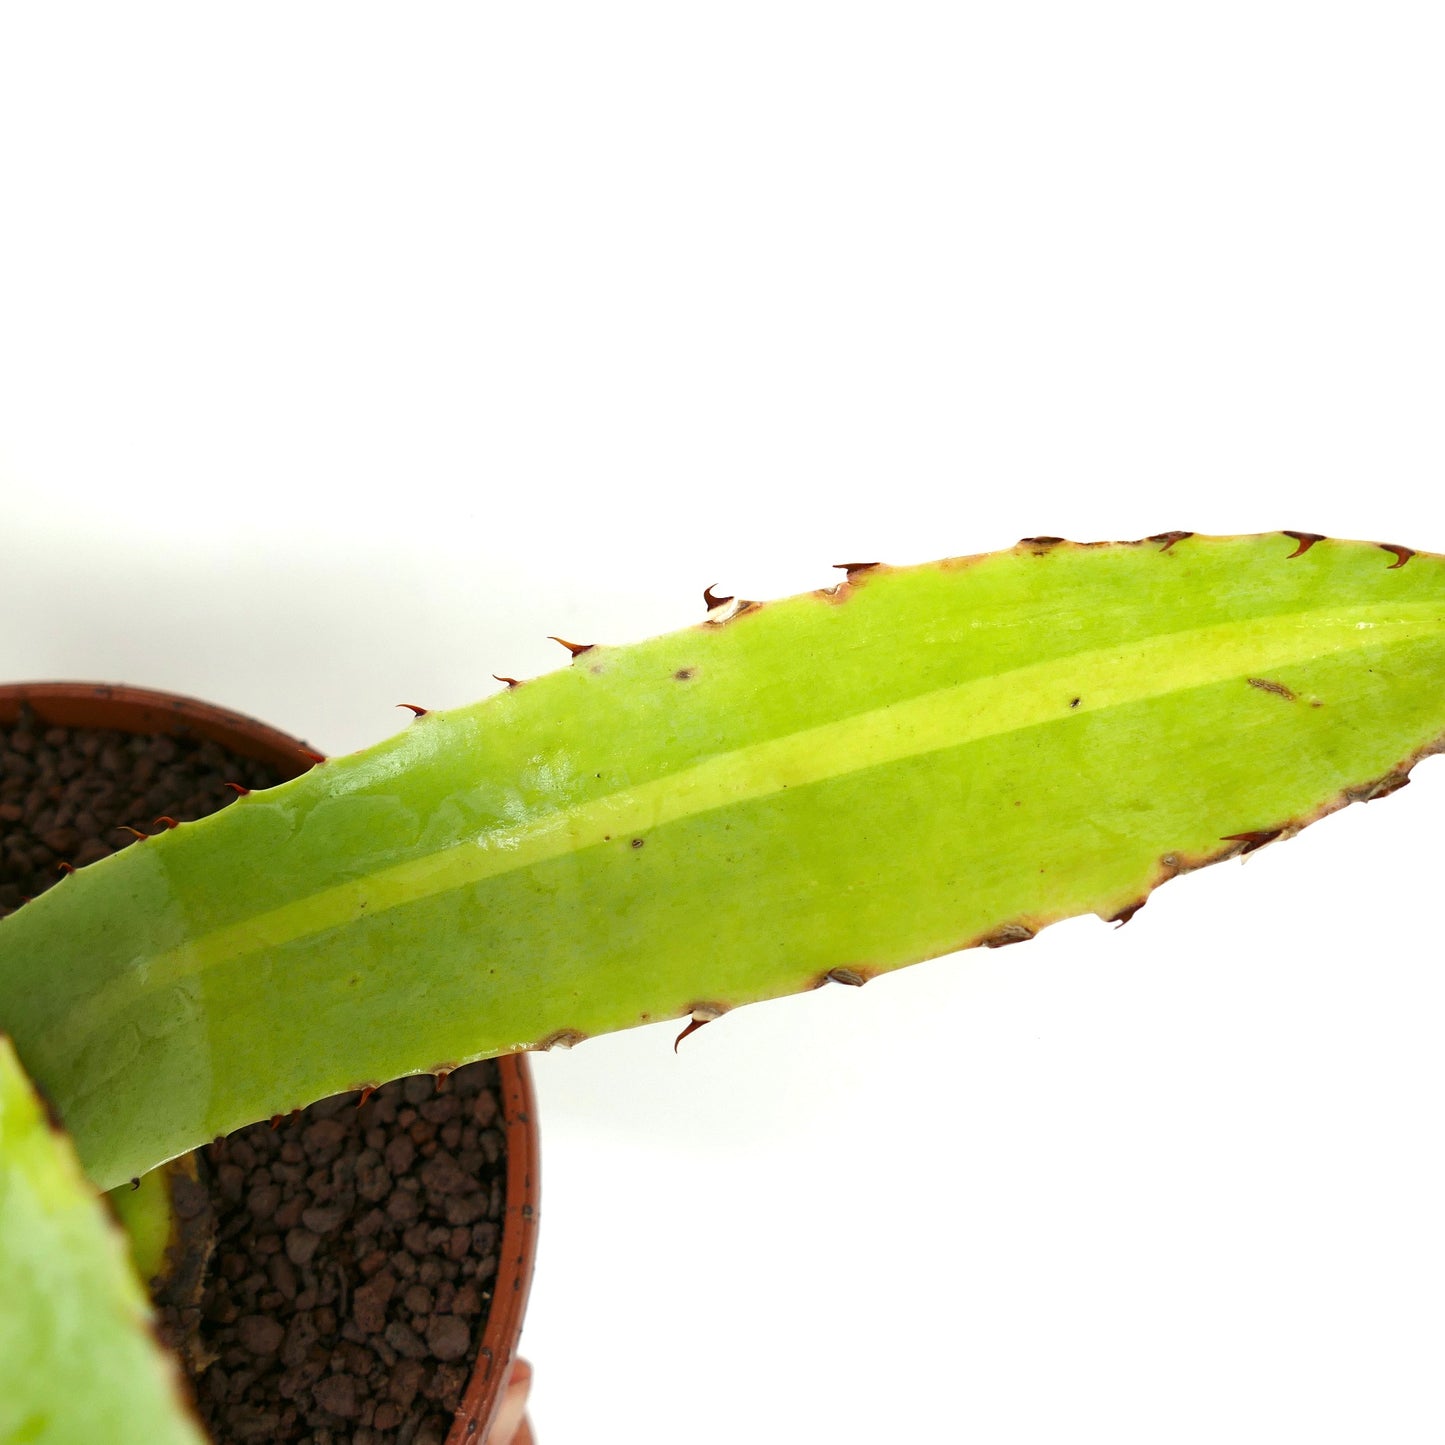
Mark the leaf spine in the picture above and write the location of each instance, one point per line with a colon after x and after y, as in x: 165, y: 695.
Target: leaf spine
x: 1305, y: 541
x: 575, y: 648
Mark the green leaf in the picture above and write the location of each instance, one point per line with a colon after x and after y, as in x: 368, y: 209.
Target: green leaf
x: 143, y: 1211
x: 918, y: 760
x: 77, y: 1360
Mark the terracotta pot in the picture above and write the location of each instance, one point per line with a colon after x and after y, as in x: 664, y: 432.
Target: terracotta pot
x: 493, y: 1407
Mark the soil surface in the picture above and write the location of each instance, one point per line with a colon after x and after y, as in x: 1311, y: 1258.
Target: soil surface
x: 355, y: 1242
x: 355, y: 1253
x: 67, y: 795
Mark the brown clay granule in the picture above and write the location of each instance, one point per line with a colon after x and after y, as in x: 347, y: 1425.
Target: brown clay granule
x: 356, y: 1250
x: 65, y: 792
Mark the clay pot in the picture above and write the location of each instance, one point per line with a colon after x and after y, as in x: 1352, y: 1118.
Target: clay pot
x: 493, y: 1408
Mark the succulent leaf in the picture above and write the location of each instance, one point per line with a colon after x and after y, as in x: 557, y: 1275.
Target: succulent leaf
x: 78, y: 1363
x: 915, y: 761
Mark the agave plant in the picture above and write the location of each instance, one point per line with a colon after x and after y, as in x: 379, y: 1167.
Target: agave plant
x: 786, y: 795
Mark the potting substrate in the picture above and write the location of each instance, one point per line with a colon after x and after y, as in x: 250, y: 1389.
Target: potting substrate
x: 356, y: 1241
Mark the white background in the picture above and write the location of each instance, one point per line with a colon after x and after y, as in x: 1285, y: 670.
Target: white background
x: 346, y: 352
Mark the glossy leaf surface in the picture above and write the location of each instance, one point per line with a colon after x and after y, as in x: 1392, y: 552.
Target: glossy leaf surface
x: 919, y: 760
x: 78, y: 1363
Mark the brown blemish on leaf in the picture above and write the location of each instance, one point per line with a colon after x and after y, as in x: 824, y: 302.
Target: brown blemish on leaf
x: 637, y: 842
x: 840, y: 592
x: 849, y: 976
x: 1305, y: 541
x: 1380, y: 787
x: 1402, y: 554
x: 1075, y: 701
x: 683, y: 674
x: 1267, y: 685
x: 182, y: 1279
x: 1168, y: 538
x: 1254, y: 840
x: 740, y: 606
x: 708, y: 1010
x: 575, y: 648
x: 560, y: 1039
x: 1041, y: 543
x: 1176, y: 865
x: 1009, y: 933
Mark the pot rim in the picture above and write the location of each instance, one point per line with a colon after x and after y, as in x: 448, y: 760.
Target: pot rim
x: 146, y: 710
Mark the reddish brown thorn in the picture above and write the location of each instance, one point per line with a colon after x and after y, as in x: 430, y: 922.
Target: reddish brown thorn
x: 693, y: 1026
x: 851, y: 567
x: 276, y: 1120
x: 25, y: 898
x: 1169, y: 538
x: 135, y: 1183
x: 167, y: 820
x: 1380, y: 788
x: 1402, y: 553
x: 1125, y: 914
x: 442, y: 1075
x: 417, y: 711
x: 1306, y: 540
x: 366, y: 1093
x: 711, y: 599
x: 239, y: 791
x: 134, y: 832
x: 66, y: 867
x: 1254, y: 840
x: 575, y: 648
x: 510, y: 681
x: 312, y: 754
